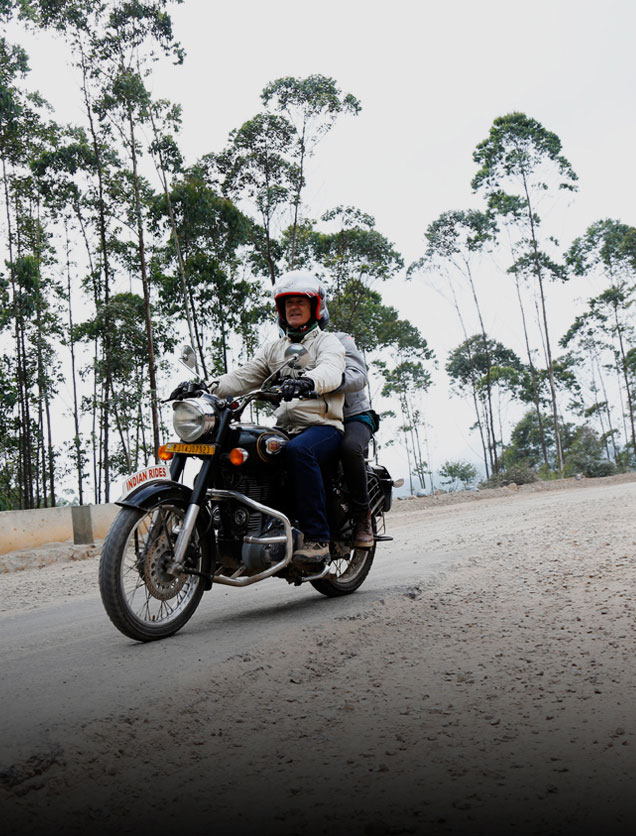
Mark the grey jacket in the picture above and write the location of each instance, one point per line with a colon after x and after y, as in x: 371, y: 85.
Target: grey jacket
x: 355, y: 380
x: 324, y: 363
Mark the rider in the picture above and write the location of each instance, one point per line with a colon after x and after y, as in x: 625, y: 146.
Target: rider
x: 316, y: 425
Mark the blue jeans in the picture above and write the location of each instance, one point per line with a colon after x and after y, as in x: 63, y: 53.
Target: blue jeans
x: 306, y: 453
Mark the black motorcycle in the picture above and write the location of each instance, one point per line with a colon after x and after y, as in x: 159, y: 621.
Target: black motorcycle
x: 234, y: 526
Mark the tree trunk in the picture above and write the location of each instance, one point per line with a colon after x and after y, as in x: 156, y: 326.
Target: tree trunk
x: 145, y: 285
x: 533, y: 376
x: 106, y: 340
x: 539, y: 276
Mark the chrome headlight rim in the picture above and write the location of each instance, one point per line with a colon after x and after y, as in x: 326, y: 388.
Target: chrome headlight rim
x: 192, y: 418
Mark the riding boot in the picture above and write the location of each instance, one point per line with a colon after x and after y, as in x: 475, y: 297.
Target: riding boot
x: 363, y: 536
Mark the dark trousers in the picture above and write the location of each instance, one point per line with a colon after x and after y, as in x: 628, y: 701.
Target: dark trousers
x: 353, y: 452
x: 306, y: 453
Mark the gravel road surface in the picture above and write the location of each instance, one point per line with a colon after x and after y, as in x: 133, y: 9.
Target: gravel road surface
x: 482, y: 681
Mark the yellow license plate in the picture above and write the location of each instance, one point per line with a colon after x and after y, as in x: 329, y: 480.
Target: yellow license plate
x: 192, y: 449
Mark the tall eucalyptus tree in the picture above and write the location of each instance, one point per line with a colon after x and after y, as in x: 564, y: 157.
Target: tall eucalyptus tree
x: 520, y: 162
x: 607, y: 250
x: 453, y: 241
x: 312, y: 106
x: 31, y: 291
x: 114, y: 45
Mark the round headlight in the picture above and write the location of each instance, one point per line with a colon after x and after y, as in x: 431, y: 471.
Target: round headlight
x: 192, y: 418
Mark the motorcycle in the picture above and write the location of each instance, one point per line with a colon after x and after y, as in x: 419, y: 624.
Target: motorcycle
x: 170, y: 542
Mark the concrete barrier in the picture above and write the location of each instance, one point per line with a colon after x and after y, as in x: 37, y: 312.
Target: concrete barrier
x: 40, y: 526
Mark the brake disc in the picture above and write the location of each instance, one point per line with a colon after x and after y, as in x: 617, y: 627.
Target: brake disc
x: 160, y: 584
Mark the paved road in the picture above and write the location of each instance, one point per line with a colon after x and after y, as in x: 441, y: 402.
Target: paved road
x: 64, y: 664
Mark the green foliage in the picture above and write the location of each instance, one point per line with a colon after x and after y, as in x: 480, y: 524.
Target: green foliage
x: 607, y: 245
x: 212, y: 233
x: 311, y: 97
x: 583, y: 449
x: 586, y: 455
x: 355, y: 251
x: 516, y: 147
x: 519, y: 473
x: 255, y: 166
x: 476, y: 359
x: 350, y: 260
x: 526, y: 441
x: 457, y: 233
x: 454, y: 472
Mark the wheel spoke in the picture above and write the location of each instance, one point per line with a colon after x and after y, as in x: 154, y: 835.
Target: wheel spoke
x: 150, y: 546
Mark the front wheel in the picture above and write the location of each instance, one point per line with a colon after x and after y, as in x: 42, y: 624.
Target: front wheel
x: 346, y: 573
x: 142, y: 600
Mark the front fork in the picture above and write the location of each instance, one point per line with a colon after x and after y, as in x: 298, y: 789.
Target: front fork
x: 177, y: 565
x: 198, y: 496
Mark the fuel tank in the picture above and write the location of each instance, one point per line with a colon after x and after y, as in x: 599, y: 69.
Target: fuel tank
x: 260, y: 445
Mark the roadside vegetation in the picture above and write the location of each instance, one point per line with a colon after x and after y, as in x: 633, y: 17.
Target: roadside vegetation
x: 112, y: 239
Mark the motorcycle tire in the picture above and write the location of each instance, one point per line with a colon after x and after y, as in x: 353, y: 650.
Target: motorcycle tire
x: 142, y: 601
x: 347, y: 574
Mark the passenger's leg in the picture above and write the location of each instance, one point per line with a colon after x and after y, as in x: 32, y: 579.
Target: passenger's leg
x: 353, y: 451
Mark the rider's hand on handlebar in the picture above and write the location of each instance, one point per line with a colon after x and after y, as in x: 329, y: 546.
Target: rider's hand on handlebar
x: 186, y: 389
x: 296, y: 387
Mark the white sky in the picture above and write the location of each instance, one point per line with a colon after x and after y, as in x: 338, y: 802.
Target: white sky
x: 431, y: 77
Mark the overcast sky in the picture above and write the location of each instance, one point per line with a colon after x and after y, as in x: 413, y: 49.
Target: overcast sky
x: 431, y: 77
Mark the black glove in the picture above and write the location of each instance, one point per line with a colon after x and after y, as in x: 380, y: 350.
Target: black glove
x: 296, y: 387
x: 186, y: 389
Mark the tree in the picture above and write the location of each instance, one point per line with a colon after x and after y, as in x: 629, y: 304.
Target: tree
x: 255, y: 166
x: 125, y: 101
x: 312, y: 105
x: 351, y: 261
x: 113, y: 45
x: 212, y: 231
x: 528, y: 440
x: 266, y: 158
x: 406, y: 381
x: 452, y: 242
x: 459, y: 471
x: 608, y: 250
x: 519, y: 161
x: 484, y: 367
x: 585, y: 455
x: 30, y: 291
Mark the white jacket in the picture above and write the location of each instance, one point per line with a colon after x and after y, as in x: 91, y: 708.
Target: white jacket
x: 324, y: 363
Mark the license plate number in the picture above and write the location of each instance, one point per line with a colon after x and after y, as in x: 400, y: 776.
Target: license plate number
x: 192, y: 449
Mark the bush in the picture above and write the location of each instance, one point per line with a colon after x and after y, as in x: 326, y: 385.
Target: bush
x: 520, y: 474
x: 603, y: 468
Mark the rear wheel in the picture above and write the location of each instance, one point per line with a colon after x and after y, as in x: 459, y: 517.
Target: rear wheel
x: 141, y: 598
x: 346, y: 573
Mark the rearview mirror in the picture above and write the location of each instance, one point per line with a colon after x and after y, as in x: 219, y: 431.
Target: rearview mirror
x: 188, y: 358
x: 293, y: 353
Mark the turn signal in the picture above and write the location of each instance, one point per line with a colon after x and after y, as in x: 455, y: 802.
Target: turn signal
x: 164, y: 454
x: 238, y: 456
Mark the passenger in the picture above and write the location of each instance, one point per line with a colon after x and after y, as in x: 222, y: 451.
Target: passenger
x: 360, y: 422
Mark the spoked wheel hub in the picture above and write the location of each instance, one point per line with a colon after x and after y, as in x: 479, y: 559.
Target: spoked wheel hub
x: 160, y: 583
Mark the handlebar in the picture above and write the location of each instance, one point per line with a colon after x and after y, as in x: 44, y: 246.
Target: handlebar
x: 273, y: 396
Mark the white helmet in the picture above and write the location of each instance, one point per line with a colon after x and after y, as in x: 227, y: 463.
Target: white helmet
x: 301, y: 283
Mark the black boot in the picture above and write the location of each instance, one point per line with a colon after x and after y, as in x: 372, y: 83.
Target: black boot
x: 363, y: 535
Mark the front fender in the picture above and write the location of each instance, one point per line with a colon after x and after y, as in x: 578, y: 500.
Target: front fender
x: 153, y: 494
